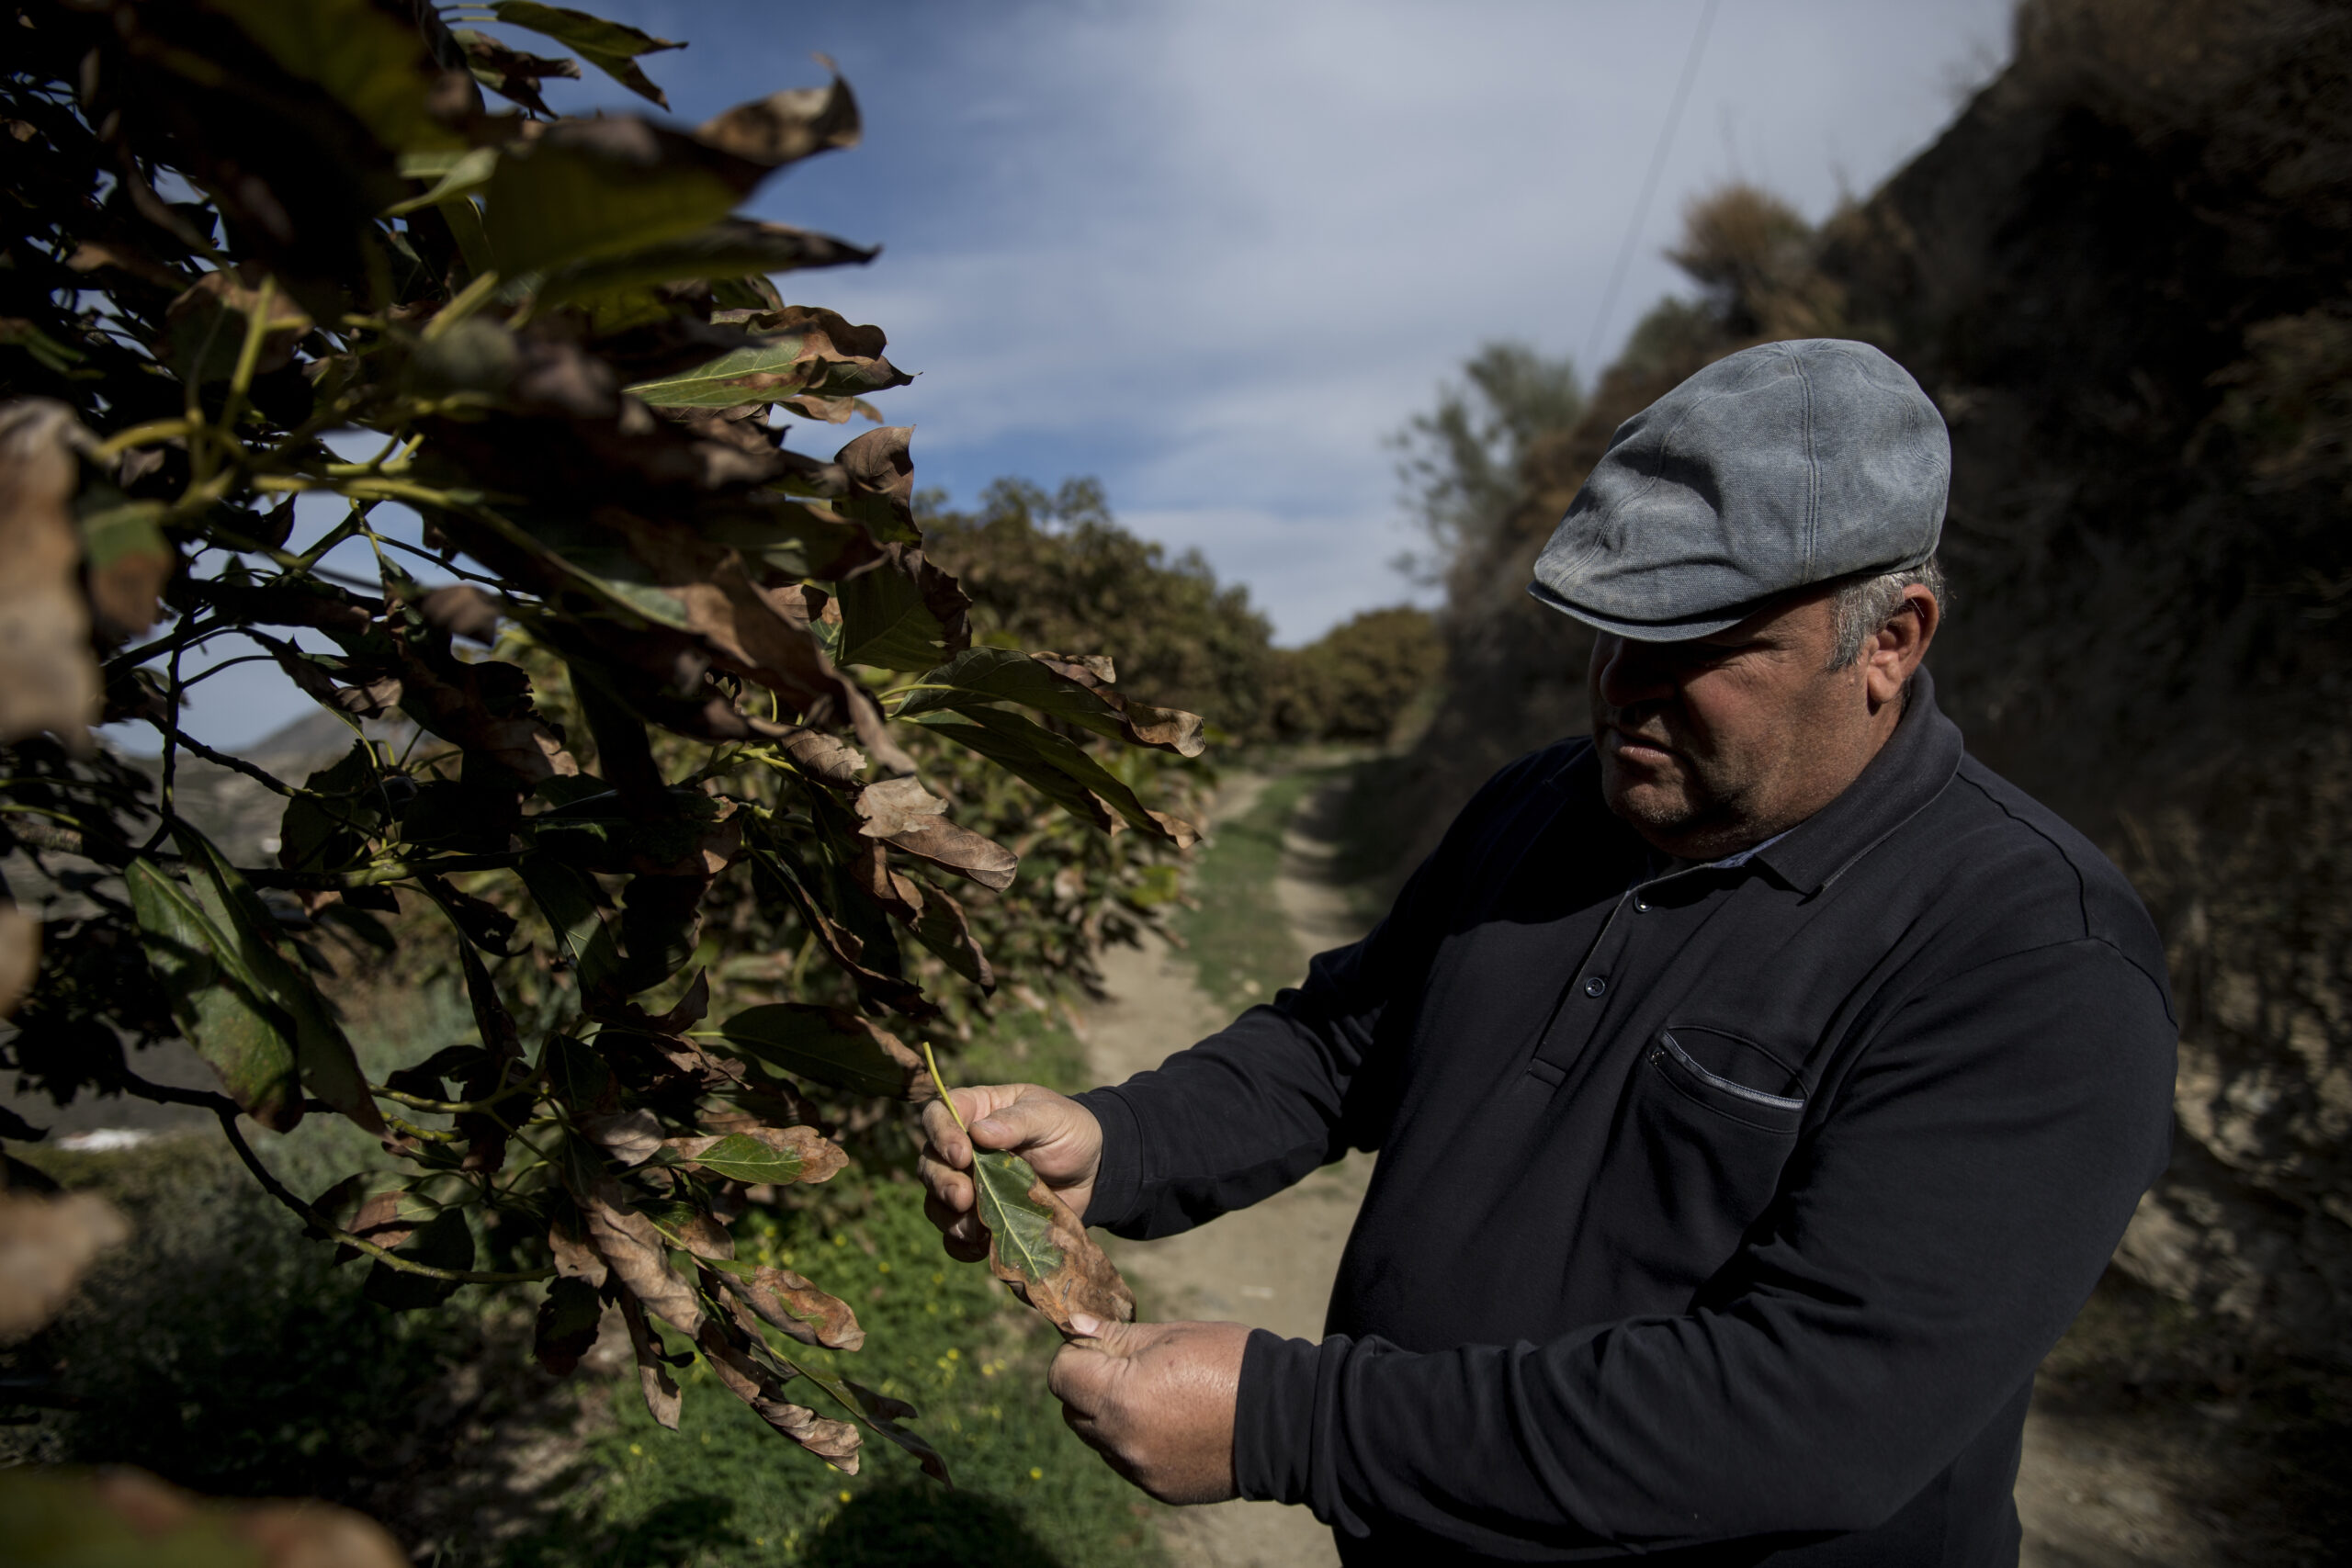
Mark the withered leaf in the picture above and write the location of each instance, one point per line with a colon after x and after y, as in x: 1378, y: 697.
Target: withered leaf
x: 836, y: 1442
x: 801, y: 350
x: 652, y: 1365
x: 728, y: 248
x: 208, y: 321
x: 901, y: 813
x: 127, y: 560
x: 464, y: 610
x: 637, y: 1253
x: 896, y: 805
x: 878, y: 484
x: 776, y: 1156
x: 19, y: 955
x: 1038, y: 1245
x: 46, y: 1245
x: 575, y: 1258
x: 792, y: 1305
x: 47, y: 679
x: 610, y: 46
x: 786, y: 126
x: 630, y: 1137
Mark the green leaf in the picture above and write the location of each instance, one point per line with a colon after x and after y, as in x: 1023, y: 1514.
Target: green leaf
x: 610, y: 46
x: 739, y: 1157
x: 605, y: 187
x: 978, y: 676
x: 888, y: 620
x: 567, y: 899
x: 456, y: 174
x: 369, y: 60
x: 1022, y: 1226
x: 803, y: 350
x: 323, y: 1052
x: 1057, y: 767
x: 831, y: 1045
x: 765, y: 371
x: 322, y: 828
x: 446, y: 1241
x: 221, y: 1008
x: 725, y: 250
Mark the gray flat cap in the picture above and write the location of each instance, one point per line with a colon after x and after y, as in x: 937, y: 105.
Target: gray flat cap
x: 1776, y: 467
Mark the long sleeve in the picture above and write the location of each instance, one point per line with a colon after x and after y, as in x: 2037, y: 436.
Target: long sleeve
x: 1248, y: 1111
x: 1933, y: 1236
x: 1293, y: 1086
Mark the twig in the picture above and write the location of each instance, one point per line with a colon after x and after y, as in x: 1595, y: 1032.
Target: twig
x: 310, y: 1216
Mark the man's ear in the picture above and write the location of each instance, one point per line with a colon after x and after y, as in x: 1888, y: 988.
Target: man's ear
x: 1895, y: 651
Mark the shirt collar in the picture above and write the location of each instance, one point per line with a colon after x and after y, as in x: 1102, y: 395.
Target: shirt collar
x: 1917, y: 761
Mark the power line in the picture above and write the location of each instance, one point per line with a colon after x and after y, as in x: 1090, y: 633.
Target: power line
x: 1649, y: 185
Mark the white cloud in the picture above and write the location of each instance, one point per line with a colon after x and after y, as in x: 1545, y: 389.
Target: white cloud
x: 1223, y: 249
x: 1214, y: 251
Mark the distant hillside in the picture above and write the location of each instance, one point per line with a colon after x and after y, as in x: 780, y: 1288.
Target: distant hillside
x: 2122, y: 272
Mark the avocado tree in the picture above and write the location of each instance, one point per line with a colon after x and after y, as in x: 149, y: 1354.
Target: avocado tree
x: 650, y: 698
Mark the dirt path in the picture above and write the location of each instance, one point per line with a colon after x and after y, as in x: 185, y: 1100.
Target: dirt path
x: 1271, y: 1265
x: 2085, y: 1489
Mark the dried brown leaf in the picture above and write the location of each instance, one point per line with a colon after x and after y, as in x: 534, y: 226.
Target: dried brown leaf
x: 653, y: 1371
x: 19, y: 956
x: 46, y: 1245
x: 792, y: 1305
x: 47, y: 679
x: 896, y: 805
x: 637, y: 1253
x: 463, y: 610
x: 575, y: 1258
x: 630, y: 1137
x: 787, y: 126
x: 903, y: 813
x: 836, y: 1442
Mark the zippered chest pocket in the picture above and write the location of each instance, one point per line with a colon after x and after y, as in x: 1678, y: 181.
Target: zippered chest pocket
x: 1733, y: 1076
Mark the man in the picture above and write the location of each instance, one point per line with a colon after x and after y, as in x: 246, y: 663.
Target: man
x: 1759, y: 1087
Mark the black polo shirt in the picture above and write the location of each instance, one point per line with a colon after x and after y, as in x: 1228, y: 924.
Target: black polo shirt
x: 1721, y: 1215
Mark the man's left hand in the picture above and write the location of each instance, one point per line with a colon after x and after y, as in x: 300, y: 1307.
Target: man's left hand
x: 1156, y: 1400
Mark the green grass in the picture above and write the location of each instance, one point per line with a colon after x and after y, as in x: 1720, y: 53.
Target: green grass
x: 724, y: 1492
x: 1237, y: 936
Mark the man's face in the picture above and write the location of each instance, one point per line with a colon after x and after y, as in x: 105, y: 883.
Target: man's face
x: 1712, y: 745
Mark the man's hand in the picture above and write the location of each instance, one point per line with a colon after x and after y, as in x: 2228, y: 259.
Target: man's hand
x: 1156, y: 1400
x: 1060, y: 1138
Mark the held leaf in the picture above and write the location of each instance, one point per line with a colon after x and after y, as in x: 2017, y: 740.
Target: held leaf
x: 1038, y: 1245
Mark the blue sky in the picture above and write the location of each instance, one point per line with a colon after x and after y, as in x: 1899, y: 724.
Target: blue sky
x: 1214, y: 251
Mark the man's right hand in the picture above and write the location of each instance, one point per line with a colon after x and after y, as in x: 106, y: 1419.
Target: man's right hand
x: 1060, y: 1138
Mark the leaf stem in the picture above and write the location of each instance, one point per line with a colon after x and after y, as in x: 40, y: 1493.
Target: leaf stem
x: 940, y: 1084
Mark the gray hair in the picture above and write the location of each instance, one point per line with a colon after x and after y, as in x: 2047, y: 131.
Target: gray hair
x: 1867, y: 604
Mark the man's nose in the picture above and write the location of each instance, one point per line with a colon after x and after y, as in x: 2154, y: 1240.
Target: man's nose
x: 1630, y: 672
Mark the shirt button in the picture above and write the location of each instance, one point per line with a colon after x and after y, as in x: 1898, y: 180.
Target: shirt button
x: 1643, y: 905
x: 1595, y: 986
